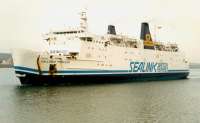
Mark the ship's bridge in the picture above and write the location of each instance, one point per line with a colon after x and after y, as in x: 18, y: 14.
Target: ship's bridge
x: 63, y: 35
x: 68, y: 31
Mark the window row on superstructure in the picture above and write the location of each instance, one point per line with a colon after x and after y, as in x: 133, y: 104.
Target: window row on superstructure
x: 69, y: 32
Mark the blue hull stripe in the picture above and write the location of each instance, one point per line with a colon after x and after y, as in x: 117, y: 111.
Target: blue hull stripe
x: 35, y: 71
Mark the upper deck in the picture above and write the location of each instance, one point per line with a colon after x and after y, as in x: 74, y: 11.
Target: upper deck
x: 81, y: 33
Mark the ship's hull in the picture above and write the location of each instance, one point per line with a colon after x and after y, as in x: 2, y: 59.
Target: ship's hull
x: 77, y: 77
x: 35, y: 69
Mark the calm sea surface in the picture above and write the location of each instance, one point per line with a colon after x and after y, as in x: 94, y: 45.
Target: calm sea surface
x: 132, y: 102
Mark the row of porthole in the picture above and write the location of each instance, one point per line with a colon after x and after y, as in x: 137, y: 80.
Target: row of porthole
x: 126, y: 52
x: 104, y: 64
x: 92, y: 48
x: 104, y: 56
x: 99, y: 42
x: 126, y: 59
x: 99, y: 56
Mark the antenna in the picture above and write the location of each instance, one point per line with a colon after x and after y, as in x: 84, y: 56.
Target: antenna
x: 156, y: 28
x: 83, y: 20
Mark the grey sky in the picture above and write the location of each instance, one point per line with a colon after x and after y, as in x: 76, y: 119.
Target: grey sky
x: 23, y: 21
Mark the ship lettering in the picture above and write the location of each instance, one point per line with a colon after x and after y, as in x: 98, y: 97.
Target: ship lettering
x: 148, y: 67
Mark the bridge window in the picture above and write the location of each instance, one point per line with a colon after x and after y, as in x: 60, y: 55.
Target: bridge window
x: 89, y: 39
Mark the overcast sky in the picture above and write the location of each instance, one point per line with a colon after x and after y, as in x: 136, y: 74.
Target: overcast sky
x: 24, y: 21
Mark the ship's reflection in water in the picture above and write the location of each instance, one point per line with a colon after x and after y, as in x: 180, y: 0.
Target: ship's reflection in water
x: 161, y: 101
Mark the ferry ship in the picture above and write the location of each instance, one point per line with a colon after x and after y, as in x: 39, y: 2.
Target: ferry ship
x: 77, y: 54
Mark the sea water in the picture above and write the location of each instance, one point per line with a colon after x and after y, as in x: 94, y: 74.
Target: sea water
x: 176, y: 101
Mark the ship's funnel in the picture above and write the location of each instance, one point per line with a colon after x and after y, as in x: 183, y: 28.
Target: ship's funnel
x: 145, y: 32
x: 111, y: 30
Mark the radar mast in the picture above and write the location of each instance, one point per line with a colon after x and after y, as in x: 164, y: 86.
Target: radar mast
x: 83, y: 20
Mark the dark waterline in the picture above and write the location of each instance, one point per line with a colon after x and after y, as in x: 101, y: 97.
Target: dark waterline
x: 131, y: 102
